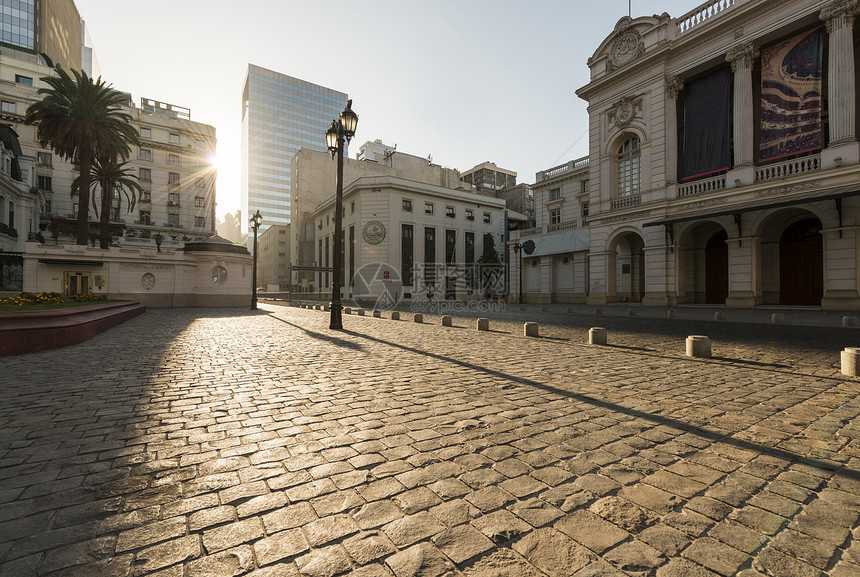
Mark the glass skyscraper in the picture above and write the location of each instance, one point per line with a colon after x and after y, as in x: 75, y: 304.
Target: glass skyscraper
x: 280, y: 115
x: 18, y: 23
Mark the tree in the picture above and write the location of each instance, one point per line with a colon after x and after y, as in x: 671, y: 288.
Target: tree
x: 112, y: 177
x: 490, y: 270
x: 81, y: 119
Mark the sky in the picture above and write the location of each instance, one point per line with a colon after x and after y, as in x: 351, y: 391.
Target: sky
x: 466, y: 81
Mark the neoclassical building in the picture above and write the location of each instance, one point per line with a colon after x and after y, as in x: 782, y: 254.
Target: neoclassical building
x: 724, y: 165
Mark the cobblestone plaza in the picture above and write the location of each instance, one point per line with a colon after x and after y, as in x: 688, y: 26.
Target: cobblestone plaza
x: 207, y: 442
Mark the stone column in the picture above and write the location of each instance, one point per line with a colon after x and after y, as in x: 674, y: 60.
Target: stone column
x: 741, y: 58
x: 744, y: 272
x: 839, y: 19
x: 674, y: 85
x: 601, y: 277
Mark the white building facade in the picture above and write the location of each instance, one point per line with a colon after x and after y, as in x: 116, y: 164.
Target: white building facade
x: 719, y: 172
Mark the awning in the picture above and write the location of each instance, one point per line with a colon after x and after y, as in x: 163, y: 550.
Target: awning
x: 571, y: 240
x: 761, y: 204
x: 70, y: 261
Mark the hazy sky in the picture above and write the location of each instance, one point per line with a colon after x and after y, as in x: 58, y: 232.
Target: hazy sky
x: 464, y: 80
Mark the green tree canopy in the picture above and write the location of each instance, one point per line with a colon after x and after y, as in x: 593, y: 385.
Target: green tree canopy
x: 111, y: 175
x: 81, y: 119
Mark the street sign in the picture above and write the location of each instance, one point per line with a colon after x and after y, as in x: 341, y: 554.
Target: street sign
x: 314, y: 263
x: 529, y: 246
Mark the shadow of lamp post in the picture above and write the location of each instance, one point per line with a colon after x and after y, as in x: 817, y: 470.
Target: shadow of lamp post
x: 341, y: 129
x: 256, y: 221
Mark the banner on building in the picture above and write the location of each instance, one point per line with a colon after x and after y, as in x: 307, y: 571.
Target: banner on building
x: 706, y: 124
x: 791, y: 77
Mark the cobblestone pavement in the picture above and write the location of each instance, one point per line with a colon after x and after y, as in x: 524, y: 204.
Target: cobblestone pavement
x: 191, y: 443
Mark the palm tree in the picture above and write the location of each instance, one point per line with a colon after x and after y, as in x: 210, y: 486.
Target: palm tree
x: 112, y: 177
x: 82, y: 119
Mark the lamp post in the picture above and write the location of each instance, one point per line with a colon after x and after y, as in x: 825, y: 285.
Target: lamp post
x: 256, y: 221
x: 341, y: 129
x: 517, y: 248
x: 526, y: 247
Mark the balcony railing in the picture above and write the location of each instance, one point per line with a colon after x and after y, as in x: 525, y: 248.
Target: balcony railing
x: 706, y: 11
x: 626, y: 202
x: 531, y: 231
x: 561, y: 226
x: 789, y: 168
x: 567, y: 167
x: 702, y: 186
x: 8, y: 230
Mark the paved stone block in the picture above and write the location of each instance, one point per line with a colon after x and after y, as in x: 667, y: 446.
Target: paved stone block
x: 665, y: 539
x: 326, y: 562
x: 590, y: 530
x: 377, y: 514
x: 339, y: 502
x: 462, y: 543
x: 489, y: 498
x: 501, y: 526
x: 365, y: 548
x: 553, y: 552
x: 328, y: 529
x: 416, y: 500
x: 229, y: 563
x: 280, y: 546
x: 635, y: 556
x: 536, y: 512
x: 622, y: 513
x: 773, y: 562
x: 151, y: 534
x: 166, y: 554
x: 455, y: 512
x: 683, y: 568
x: 232, y: 535
x: 738, y: 536
x: 421, y: 560
x: 715, y: 555
x: 408, y: 530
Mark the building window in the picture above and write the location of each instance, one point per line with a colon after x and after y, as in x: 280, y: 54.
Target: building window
x: 174, y: 138
x: 145, y: 154
x: 406, y: 254
x: 352, y: 208
x: 554, y: 193
x: 173, y: 179
x: 428, y: 208
x: 585, y: 186
x: 199, y: 221
x: 7, y: 106
x: 145, y: 132
x: 146, y: 196
x: 555, y: 216
x: 172, y: 159
x: 172, y: 220
x: 487, y: 217
x: 450, y: 246
x: 628, y: 167
x: 173, y: 199
x: 199, y: 201
x: 429, y: 256
x: 407, y: 205
x: 470, y: 214
x: 198, y: 144
x: 145, y: 217
x: 199, y: 183
x: 44, y: 159
x: 144, y: 175
x: 45, y: 183
x: 219, y: 275
x: 25, y: 80
x: 584, y: 212
x: 449, y: 212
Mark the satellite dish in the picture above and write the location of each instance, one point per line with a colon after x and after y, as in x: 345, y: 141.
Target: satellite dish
x: 529, y: 246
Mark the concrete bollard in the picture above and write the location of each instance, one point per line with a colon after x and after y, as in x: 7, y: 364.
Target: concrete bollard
x: 347, y: 311
x: 598, y: 311
x: 631, y: 313
x: 530, y: 329
x: 543, y: 309
x: 719, y: 316
x: 522, y: 307
x: 777, y: 318
x: 850, y: 361
x: 377, y: 314
x: 849, y: 321
x: 699, y: 346
x: 597, y: 336
x: 360, y: 312
x: 483, y: 324
x: 670, y: 315
x: 325, y: 308
x: 395, y: 316
x: 447, y: 321
x: 418, y: 318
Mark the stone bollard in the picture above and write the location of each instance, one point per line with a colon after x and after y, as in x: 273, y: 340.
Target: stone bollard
x: 377, y: 314
x: 325, y: 308
x: 522, y: 307
x: 719, y: 316
x: 670, y: 315
x: 597, y: 336
x: 447, y: 321
x: 418, y: 318
x: 347, y: 311
x: 543, y: 309
x: 699, y: 346
x: 850, y: 361
x: 777, y: 318
x: 360, y: 312
x: 631, y: 313
x: 483, y: 324
x: 530, y: 329
x: 849, y: 321
x: 395, y: 316
x: 598, y: 311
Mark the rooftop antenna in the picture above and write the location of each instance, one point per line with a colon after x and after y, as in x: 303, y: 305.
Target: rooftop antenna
x: 630, y: 8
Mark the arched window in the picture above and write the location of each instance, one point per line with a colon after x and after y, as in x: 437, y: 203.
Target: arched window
x: 628, y: 167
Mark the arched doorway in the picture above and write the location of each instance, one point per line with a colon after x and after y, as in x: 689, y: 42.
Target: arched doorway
x: 717, y: 268
x: 801, y: 264
x: 629, y: 267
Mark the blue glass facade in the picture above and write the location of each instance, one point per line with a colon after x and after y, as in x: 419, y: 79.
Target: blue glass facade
x: 280, y: 115
x: 18, y: 23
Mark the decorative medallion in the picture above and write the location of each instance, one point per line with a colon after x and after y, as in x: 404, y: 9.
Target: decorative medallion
x: 624, y: 111
x: 147, y: 281
x: 628, y: 45
x: 373, y: 232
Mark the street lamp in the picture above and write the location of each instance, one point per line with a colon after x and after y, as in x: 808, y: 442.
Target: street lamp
x: 342, y: 128
x: 527, y: 247
x: 255, y: 221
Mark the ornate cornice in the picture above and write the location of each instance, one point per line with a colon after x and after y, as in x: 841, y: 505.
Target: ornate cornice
x: 839, y: 14
x: 624, y: 111
x: 742, y: 55
x: 674, y: 86
x: 627, y: 46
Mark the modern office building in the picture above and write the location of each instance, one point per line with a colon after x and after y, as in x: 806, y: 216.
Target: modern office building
x: 487, y: 178
x: 51, y: 28
x: 280, y: 116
